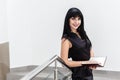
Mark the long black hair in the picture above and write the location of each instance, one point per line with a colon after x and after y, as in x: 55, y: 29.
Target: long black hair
x: 75, y: 12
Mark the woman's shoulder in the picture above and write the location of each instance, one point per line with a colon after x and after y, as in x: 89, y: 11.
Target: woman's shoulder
x: 66, y: 41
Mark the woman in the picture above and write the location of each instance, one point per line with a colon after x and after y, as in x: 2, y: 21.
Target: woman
x: 75, y: 44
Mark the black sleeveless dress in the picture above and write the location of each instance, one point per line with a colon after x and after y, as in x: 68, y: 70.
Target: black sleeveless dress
x: 79, y: 52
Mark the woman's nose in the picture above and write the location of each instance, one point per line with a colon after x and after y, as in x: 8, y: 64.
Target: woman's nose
x: 76, y: 21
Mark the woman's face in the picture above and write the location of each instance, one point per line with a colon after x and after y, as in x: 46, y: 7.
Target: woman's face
x: 74, y: 22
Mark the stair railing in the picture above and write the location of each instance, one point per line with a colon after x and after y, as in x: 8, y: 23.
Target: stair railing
x: 39, y: 69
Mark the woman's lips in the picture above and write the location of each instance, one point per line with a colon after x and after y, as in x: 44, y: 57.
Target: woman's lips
x: 75, y: 25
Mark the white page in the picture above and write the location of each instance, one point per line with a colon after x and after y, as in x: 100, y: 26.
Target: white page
x: 100, y: 60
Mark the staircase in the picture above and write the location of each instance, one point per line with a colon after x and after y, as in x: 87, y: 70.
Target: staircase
x: 44, y: 72
x: 48, y: 72
x: 18, y: 73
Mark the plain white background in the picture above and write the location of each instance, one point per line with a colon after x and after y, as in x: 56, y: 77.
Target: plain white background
x: 3, y: 22
x: 34, y: 29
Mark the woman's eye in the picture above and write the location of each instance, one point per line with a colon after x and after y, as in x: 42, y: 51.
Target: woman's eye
x: 79, y: 18
x: 72, y: 18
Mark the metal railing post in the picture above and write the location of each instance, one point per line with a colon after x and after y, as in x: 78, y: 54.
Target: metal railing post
x: 55, y: 71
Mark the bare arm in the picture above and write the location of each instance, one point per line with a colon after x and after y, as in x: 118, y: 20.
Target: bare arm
x: 65, y: 45
x: 91, y: 53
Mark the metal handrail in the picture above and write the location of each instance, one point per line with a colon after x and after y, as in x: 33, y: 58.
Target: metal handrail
x: 39, y: 69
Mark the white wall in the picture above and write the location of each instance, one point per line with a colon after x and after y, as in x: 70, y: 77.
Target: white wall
x: 3, y: 21
x: 19, y: 32
x: 35, y: 28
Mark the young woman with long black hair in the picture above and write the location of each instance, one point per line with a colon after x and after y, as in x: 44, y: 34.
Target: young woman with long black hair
x: 75, y: 44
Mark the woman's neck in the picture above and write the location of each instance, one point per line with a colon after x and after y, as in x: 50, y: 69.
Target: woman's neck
x: 74, y: 31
